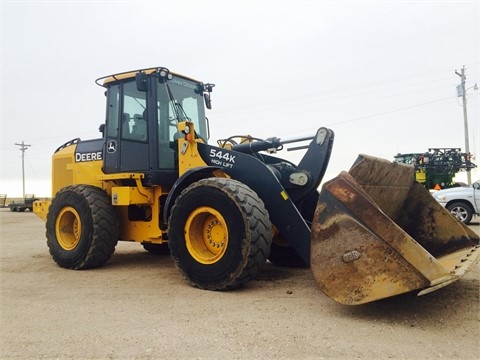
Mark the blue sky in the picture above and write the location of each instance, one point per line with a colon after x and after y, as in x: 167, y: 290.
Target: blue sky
x: 380, y: 74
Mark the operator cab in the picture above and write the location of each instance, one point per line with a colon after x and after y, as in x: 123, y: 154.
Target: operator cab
x: 143, y: 110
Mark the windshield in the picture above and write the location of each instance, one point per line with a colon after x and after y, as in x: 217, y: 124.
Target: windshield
x: 180, y: 99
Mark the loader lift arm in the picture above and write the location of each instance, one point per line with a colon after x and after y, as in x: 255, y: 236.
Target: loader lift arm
x: 274, y: 180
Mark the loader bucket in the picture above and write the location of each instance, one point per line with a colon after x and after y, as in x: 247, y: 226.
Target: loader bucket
x: 377, y: 233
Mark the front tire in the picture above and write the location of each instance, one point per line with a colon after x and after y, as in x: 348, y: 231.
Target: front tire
x: 461, y: 211
x: 219, y: 234
x: 82, y: 227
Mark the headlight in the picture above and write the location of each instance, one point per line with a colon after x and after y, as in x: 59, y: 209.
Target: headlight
x: 440, y: 198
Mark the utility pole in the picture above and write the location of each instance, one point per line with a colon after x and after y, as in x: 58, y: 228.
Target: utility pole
x: 23, y: 148
x: 463, y: 93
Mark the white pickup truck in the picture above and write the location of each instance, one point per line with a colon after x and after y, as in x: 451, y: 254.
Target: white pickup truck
x: 462, y: 202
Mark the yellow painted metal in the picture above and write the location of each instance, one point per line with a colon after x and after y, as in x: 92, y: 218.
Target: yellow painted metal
x: 148, y: 227
x: 68, y: 228
x: 182, y: 126
x: 119, y: 176
x: 87, y: 172
x: 376, y: 233
x: 421, y: 176
x: 65, y: 171
x: 62, y: 171
x: 40, y: 208
x: 128, y: 195
x: 206, y: 235
x: 188, y: 156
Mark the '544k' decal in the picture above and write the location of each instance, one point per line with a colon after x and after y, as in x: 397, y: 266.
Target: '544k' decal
x: 221, y: 158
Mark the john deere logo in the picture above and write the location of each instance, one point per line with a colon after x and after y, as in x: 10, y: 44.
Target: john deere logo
x: 111, y: 146
x: 89, y: 156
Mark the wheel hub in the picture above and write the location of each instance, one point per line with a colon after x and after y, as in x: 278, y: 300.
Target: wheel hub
x: 459, y: 213
x: 206, y: 235
x: 68, y: 228
x: 215, y: 233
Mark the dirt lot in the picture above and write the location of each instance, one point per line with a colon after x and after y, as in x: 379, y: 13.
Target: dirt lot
x: 138, y: 306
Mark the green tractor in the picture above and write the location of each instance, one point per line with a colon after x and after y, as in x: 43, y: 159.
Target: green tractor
x: 436, y: 168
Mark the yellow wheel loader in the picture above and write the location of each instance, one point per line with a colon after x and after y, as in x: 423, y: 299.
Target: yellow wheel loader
x: 223, y: 211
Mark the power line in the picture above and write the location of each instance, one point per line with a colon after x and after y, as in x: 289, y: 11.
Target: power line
x: 391, y: 111
x: 377, y: 114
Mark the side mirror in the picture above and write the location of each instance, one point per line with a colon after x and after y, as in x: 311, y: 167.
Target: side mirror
x: 476, y: 185
x: 208, y: 101
x: 101, y: 128
x: 141, y: 80
x: 207, y: 88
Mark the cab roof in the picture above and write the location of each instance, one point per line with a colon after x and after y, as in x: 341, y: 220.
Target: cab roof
x: 105, y: 80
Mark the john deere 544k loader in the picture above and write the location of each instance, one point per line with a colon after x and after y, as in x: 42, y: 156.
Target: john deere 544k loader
x: 223, y: 211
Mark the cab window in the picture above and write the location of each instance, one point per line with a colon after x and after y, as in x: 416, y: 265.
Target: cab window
x: 134, y: 122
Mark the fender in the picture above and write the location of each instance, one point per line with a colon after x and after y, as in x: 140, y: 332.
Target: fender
x: 255, y: 174
x: 187, y: 178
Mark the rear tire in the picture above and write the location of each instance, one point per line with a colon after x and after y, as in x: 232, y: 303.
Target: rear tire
x: 463, y: 212
x: 219, y: 234
x: 82, y: 227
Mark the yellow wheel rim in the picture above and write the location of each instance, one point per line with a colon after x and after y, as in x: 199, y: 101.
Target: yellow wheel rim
x: 206, y: 235
x: 68, y: 228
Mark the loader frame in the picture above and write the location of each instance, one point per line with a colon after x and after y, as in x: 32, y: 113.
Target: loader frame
x: 219, y: 210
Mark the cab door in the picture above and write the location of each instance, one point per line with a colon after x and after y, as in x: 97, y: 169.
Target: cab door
x: 127, y: 130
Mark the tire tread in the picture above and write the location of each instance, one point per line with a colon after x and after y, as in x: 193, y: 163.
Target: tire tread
x: 259, y: 227
x: 104, y: 232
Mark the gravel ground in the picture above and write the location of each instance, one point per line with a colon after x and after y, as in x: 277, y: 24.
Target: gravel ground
x: 139, y: 307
